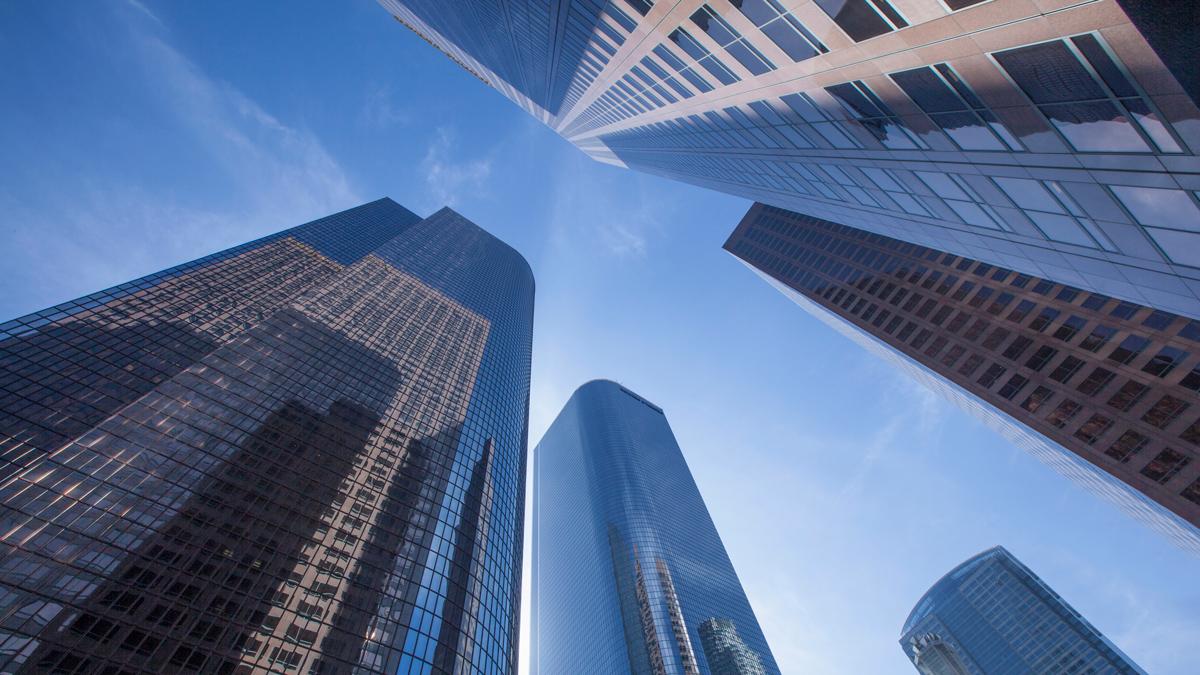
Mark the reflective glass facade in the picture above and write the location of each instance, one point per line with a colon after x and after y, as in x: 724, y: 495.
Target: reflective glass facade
x: 304, y: 454
x: 1103, y: 389
x: 1046, y: 137
x: 629, y: 574
x: 991, y: 615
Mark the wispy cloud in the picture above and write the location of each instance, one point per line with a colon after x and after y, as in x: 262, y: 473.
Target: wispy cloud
x: 380, y: 110
x: 271, y: 174
x: 449, y: 178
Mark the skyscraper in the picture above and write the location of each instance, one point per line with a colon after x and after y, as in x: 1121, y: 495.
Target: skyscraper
x: 1056, y: 138
x: 305, y: 453
x: 629, y: 574
x: 991, y: 614
x: 1102, y: 389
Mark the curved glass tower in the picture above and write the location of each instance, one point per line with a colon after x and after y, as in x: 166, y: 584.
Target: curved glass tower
x: 991, y: 615
x: 303, y: 454
x: 630, y: 575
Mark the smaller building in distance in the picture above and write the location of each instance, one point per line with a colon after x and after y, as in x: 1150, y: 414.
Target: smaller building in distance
x: 1101, y: 389
x: 991, y: 614
x: 629, y: 574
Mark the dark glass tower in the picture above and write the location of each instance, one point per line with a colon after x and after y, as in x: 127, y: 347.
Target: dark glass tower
x: 992, y: 615
x: 629, y: 574
x: 304, y: 454
x: 1101, y: 389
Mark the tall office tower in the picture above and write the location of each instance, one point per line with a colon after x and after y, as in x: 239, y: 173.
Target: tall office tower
x: 1057, y: 138
x: 991, y: 614
x: 1102, y: 389
x: 629, y: 574
x: 304, y: 454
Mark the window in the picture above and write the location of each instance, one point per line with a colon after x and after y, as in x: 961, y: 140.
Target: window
x: 687, y: 72
x: 990, y: 375
x: 641, y: 6
x: 1165, y: 361
x: 1170, y: 217
x: 1086, y: 96
x: 952, y: 105
x: 1128, y: 395
x: 1040, y: 358
x: 1017, y: 348
x: 1129, y: 444
x: 890, y: 182
x: 824, y: 123
x: 1054, y: 212
x: 784, y: 29
x: 732, y: 41
x: 1069, y: 328
x: 1044, y: 319
x: 863, y: 19
x: 1165, y: 411
x: 702, y: 56
x: 874, y: 115
x: 962, y: 198
x: 1129, y: 349
x: 1192, y: 492
x: 1165, y: 465
x: 1021, y: 311
x: 961, y: 4
x: 1124, y: 310
x: 1098, y: 338
x: 1158, y: 320
x: 1066, y: 370
x: 1063, y: 413
x: 1096, y: 381
x: 1093, y: 429
x: 1013, y: 387
x: 1192, y: 379
x: 1036, y: 399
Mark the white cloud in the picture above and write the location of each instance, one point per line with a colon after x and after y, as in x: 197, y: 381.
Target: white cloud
x: 447, y: 179
x: 380, y: 110
x: 113, y: 229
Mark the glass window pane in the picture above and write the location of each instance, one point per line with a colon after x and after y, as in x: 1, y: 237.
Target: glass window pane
x: 1049, y: 73
x: 965, y: 129
x: 856, y: 17
x: 1060, y: 227
x: 1028, y: 194
x: 927, y: 90
x: 1160, y: 206
x: 786, y: 35
x: 1095, y: 126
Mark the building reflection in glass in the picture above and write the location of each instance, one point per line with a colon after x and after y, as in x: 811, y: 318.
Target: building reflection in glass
x: 627, y: 563
x: 258, y: 461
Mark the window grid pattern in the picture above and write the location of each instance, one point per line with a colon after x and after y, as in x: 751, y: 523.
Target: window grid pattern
x: 979, y: 312
x: 254, y: 461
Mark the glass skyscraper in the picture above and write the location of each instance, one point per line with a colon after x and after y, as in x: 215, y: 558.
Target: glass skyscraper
x: 629, y: 574
x: 991, y: 615
x: 1058, y: 139
x: 303, y: 454
x: 1103, y: 390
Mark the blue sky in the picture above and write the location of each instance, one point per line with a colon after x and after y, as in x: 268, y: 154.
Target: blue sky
x: 139, y: 135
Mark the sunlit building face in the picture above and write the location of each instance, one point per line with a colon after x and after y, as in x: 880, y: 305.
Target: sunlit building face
x: 302, y: 454
x: 1056, y: 139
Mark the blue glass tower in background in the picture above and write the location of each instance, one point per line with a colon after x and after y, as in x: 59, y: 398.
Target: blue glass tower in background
x: 991, y: 615
x: 303, y: 454
x: 629, y: 574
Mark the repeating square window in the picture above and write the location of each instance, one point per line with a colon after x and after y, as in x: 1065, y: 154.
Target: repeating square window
x: 1013, y: 387
x: 1165, y: 411
x: 1128, y: 395
x: 1126, y: 446
x: 863, y: 19
x: 875, y: 116
x: 1063, y: 413
x: 1035, y: 400
x: 1161, y: 364
x: 782, y: 28
x: 1086, y: 96
x: 1054, y: 212
x: 725, y: 35
x: 963, y: 199
x: 1067, y: 369
x: 1129, y: 349
x: 1093, y: 429
x: 1192, y: 492
x: 1165, y: 465
x: 1096, y: 381
x: 1099, y: 337
x: 952, y: 105
x: 1040, y: 358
